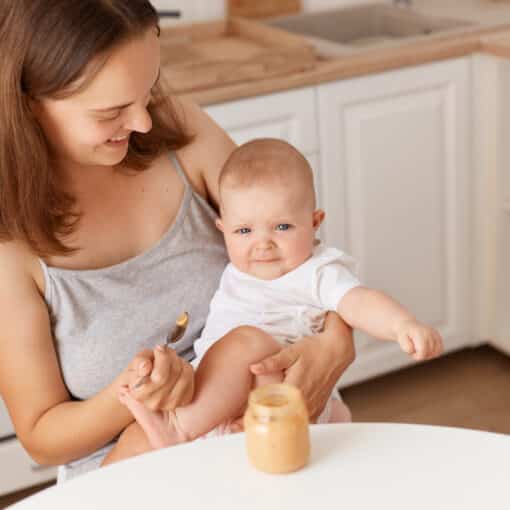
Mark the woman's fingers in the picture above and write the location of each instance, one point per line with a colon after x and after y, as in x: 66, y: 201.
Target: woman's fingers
x: 315, y: 398
x: 278, y: 362
x: 153, y: 394
x: 142, y: 362
x: 160, y: 379
x: 319, y: 362
x: 165, y: 361
x: 181, y: 393
x: 137, y: 372
x: 170, y: 385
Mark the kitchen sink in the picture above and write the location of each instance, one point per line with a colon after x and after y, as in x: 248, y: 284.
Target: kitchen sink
x: 367, y: 25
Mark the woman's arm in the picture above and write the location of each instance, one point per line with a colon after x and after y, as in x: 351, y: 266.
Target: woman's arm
x: 132, y: 442
x: 53, y: 428
x: 204, y: 158
x: 315, y: 363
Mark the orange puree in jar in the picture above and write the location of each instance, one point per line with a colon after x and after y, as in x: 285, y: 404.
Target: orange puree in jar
x: 276, y: 425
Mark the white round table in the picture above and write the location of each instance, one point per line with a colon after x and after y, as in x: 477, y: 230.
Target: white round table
x: 365, y: 466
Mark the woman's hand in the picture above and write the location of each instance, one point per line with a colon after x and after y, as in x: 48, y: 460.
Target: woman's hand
x: 160, y: 379
x: 315, y: 363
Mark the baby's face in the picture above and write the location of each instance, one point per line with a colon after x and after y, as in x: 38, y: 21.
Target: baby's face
x: 270, y: 230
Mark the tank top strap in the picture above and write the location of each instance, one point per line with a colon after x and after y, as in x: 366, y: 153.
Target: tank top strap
x: 180, y: 170
x: 190, y: 193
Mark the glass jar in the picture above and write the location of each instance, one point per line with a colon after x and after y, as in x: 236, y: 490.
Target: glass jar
x: 276, y: 426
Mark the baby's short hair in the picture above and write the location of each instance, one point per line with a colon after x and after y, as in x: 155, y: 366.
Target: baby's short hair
x: 265, y: 161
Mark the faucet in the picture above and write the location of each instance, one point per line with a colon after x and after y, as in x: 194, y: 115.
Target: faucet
x: 407, y: 3
x: 169, y: 14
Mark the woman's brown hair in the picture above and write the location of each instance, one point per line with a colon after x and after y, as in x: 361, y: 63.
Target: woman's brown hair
x: 45, y: 48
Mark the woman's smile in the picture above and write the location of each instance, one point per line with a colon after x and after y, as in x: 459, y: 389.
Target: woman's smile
x: 118, y: 142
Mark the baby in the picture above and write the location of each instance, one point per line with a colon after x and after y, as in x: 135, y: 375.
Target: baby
x: 278, y: 287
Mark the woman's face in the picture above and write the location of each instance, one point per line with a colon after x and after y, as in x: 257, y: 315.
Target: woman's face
x: 92, y: 127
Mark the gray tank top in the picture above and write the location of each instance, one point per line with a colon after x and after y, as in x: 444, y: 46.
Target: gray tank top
x: 100, y: 318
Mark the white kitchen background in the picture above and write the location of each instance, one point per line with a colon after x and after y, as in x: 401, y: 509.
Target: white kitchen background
x: 200, y: 10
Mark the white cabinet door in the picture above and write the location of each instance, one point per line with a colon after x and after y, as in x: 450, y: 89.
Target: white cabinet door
x: 289, y: 115
x: 18, y: 470
x: 498, y: 197
x: 395, y: 163
x: 488, y: 208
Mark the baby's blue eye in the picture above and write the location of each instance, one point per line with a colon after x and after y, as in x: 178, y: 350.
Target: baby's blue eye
x: 283, y: 226
x: 243, y: 230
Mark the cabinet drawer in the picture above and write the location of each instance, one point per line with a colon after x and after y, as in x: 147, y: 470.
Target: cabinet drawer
x: 19, y: 470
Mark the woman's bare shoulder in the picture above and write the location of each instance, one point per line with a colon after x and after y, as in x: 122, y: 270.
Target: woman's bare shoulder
x: 19, y: 267
x: 204, y: 157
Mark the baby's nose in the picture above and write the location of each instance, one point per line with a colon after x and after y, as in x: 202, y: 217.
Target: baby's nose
x: 265, y: 245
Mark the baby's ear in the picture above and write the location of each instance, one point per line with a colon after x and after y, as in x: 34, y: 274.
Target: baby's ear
x: 219, y: 224
x: 318, y: 218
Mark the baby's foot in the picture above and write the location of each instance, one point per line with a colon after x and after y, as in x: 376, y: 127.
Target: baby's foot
x: 159, y: 426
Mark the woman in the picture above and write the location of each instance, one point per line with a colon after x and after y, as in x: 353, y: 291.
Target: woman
x: 107, y: 196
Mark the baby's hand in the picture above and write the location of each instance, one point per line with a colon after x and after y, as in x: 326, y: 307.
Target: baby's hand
x: 418, y: 340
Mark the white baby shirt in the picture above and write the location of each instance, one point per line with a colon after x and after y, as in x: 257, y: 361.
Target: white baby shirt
x: 288, y: 308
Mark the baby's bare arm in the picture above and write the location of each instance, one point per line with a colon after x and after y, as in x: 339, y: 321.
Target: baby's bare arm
x: 381, y: 316
x: 374, y: 312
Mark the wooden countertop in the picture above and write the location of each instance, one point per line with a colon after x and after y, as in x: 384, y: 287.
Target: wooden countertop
x: 497, y: 44
x: 490, y: 35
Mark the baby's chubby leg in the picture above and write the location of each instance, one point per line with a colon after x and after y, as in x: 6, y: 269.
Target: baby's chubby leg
x: 222, y: 383
x: 223, y: 380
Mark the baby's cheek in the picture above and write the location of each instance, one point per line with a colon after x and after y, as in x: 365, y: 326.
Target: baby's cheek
x: 237, y: 254
x: 300, y: 250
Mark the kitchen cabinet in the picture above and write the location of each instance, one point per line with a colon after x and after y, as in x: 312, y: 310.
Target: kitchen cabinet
x: 17, y: 469
x: 501, y: 267
x: 290, y: 116
x: 493, y: 189
x: 396, y: 167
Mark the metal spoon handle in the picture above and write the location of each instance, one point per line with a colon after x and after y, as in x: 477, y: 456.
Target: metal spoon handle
x: 174, y: 335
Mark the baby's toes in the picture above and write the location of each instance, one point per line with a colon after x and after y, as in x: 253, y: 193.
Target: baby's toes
x: 136, y: 408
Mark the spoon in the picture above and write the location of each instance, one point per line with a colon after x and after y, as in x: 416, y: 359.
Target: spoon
x: 174, y: 335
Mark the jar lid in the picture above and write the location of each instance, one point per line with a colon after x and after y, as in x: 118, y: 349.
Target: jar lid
x: 276, y: 400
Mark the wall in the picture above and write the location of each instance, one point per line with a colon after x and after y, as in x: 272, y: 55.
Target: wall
x: 198, y: 10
